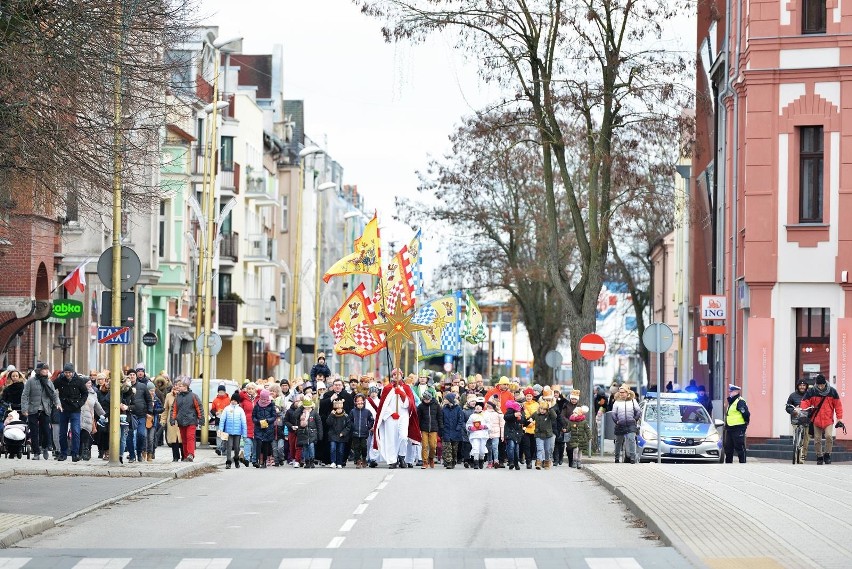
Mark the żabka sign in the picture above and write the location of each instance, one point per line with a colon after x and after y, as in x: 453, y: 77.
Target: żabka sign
x: 67, y: 309
x: 714, y: 307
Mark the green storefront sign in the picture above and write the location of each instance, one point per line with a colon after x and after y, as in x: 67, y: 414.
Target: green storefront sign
x: 67, y: 309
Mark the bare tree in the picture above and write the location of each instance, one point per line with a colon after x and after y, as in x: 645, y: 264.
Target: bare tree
x: 62, y: 64
x: 487, y: 197
x: 595, y: 65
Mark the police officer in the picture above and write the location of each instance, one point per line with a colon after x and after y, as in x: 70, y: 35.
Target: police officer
x: 795, y: 401
x: 737, y: 418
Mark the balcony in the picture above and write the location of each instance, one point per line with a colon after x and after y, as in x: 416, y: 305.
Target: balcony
x: 260, y: 187
x: 227, y: 314
x: 229, y: 178
x: 261, y: 250
x: 259, y: 313
x: 229, y: 247
x: 196, y: 159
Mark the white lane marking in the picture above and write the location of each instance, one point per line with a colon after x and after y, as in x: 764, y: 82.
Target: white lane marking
x: 335, y: 542
x: 371, y: 495
x: 14, y: 562
x: 407, y: 563
x: 510, y: 563
x: 388, y: 477
x: 347, y: 525
x: 102, y: 563
x: 381, y: 486
x: 306, y: 563
x: 612, y: 563
x: 204, y: 563
x: 360, y: 509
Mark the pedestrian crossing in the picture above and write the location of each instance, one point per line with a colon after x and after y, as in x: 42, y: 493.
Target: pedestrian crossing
x: 255, y: 558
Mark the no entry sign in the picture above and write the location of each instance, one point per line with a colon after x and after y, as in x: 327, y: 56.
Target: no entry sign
x: 592, y: 347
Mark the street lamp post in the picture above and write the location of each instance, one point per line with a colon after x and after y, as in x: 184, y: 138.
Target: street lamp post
x: 320, y: 189
x: 346, y: 286
x: 297, y: 268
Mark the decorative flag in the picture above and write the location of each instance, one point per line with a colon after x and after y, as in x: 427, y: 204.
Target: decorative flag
x: 365, y: 259
x: 473, y: 329
x: 443, y: 336
x: 76, y: 279
x: 416, y: 267
x: 351, y: 326
x: 396, y: 285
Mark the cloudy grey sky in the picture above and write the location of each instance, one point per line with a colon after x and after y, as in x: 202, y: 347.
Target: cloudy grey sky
x: 381, y: 110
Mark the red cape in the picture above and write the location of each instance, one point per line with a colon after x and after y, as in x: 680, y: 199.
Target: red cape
x: 413, y: 422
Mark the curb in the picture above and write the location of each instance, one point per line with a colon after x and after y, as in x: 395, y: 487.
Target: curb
x: 115, y: 472
x: 658, y: 526
x: 10, y: 537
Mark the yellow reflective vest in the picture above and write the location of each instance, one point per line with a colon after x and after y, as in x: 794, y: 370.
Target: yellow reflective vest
x: 734, y: 418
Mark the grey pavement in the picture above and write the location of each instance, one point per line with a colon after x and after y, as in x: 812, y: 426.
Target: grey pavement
x: 755, y: 515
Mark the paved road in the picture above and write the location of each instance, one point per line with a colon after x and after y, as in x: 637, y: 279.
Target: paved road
x: 559, y: 517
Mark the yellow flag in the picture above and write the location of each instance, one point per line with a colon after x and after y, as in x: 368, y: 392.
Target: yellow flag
x: 365, y: 259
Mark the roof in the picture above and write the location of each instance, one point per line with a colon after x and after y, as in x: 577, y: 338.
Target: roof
x: 255, y: 71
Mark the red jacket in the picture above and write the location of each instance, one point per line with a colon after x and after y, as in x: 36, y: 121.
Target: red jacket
x: 831, y: 407
x: 248, y: 406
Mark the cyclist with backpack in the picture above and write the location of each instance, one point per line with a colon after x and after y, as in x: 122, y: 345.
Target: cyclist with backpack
x: 826, y: 405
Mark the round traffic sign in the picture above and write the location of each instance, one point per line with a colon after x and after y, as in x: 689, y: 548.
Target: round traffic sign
x: 286, y: 355
x: 553, y: 359
x: 214, y: 342
x: 448, y: 366
x: 658, y: 337
x: 150, y: 339
x: 592, y: 347
x: 131, y: 268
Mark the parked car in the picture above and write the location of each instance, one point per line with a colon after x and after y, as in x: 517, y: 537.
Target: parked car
x: 688, y: 432
x: 195, y: 387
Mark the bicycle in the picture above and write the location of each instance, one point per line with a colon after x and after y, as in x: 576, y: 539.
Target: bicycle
x: 802, y: 419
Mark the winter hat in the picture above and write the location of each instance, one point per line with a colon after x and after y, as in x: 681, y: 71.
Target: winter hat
x: 503, y: 380
x: 68, y: 367
x: 187, y: 381
x: 11, y: 368
x: 529, y: 391
x: 513, y: 405
x: 537, y: 388
x: 575, y: 394
x: 321, y: 385
x: 547, y: 391
x: 494, y: 404
x: 41, y: 365
x: 139, y: 367
x: 263, y: 399
x: 584, y: 409
x: 426, y: 395
x: 450, y: 397
x: 235, y: 396
x: 221, y: 388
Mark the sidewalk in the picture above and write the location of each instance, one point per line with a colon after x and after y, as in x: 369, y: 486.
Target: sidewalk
x: 15, y: 526
x: 757, y: 515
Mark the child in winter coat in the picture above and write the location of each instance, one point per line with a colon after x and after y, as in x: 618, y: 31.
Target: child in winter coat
x: 263, y: 416
x: 454, y: 427
x: 513, y: 432
x: 580, y: 433
x: 310, y: 431
x: 339, y: 429
x: 495, y: 421
x: 545, y: 425
x: 362, y: 423
x: 477, y: 429
x: 232, y: 426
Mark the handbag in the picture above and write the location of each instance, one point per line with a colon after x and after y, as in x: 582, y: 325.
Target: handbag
x: 814, y: 414
x: 149, y: 421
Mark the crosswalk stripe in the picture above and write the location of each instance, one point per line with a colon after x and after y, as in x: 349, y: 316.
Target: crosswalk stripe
x: 13, y: 562
x: 102, y: 563
x: 306, y: 563
x: 335, y: 542
x: 510, y: 563
x: 407, y: 563
x: 204, y: 563
x: 612, y: 563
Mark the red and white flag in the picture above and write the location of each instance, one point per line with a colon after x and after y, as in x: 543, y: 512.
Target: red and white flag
x: 76, y: 279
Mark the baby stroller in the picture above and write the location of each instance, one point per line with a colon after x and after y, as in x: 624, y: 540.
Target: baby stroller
x: 15, y: 436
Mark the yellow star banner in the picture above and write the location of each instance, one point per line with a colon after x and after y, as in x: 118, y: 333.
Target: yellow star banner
x: 365, y: 259
x: 398, y: 328
x: 441, y: 315
x: 352, y: 326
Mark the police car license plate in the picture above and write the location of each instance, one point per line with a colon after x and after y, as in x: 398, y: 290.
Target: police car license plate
x: 683, y: 451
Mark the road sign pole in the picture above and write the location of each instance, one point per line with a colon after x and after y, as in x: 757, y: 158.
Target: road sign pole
x: 659, y: 399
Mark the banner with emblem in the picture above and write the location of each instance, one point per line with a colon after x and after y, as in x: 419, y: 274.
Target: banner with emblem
x: 365, y: 259
x: 396, y: 285
x: 473, y: 328
x: 414, y: 253
x: 442, y: 316
x: 351, y: 326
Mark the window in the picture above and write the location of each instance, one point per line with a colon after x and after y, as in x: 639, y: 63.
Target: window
x: 285, y: 214
x: 161, y: 243
x: 224, y: 285
x: 810, y: 174
x: 179, y: 65
x: 72, y: 206
x: 226, y: 226
x: 813, y: 341
x: 282, y: 294
x: 813, y: 16
x: 226, y: 154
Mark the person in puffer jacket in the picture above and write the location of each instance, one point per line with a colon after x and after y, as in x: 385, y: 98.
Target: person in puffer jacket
x: 362, y: 423
x: 454, y: 427
x: 578, y: 428
x: 513, y: 432
x: 477, y: 429
x: 625, y: 415
x: 310, y: 431
x: 232, y: 422
x: 494, y: 419
x: 431, y: 420
x: 186, y: 414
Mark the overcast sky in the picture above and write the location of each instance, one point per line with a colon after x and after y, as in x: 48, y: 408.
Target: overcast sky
x: 380, y: 110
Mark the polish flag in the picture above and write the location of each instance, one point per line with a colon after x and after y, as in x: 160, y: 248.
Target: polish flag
x: 76, y: 279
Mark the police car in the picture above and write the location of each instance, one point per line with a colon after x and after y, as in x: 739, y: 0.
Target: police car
x: 688, y: 432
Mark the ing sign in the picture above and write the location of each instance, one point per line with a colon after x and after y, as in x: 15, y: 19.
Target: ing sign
x: 714, y: 307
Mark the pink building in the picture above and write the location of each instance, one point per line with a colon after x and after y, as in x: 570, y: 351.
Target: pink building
x: 776, y: 180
